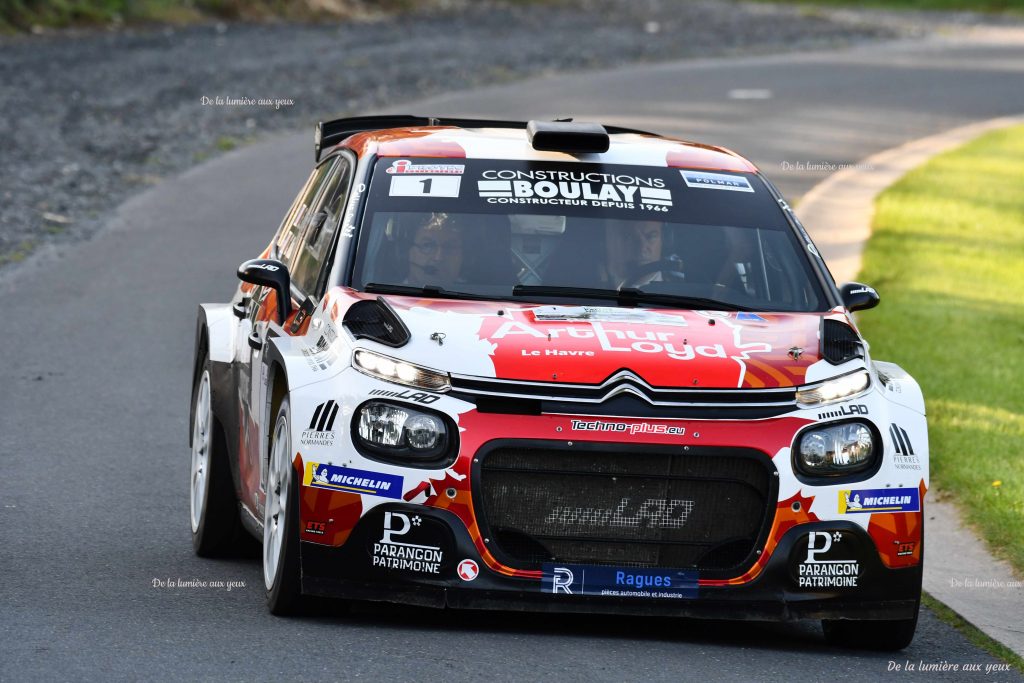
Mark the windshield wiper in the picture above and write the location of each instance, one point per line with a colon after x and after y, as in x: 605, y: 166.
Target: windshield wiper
x: 431, y: 291
x: 628, y: 296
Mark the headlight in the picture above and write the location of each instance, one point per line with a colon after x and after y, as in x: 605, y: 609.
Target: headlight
x: 837, y: 449
x: 398, y: 371
x: 833, y: 390
x: 400, y: 433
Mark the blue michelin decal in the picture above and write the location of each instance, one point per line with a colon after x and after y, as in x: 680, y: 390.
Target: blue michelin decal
x: 351, y: 480
x: 716, y: 181
x: 879, y: 500
x: 628, y: 582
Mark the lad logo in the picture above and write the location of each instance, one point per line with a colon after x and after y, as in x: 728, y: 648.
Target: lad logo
x: 321, y: 427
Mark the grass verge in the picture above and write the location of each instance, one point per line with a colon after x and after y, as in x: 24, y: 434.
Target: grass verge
x: 26, y: 14
x: 947, y: 254
x: 990, y: 6
x: 972, y: 633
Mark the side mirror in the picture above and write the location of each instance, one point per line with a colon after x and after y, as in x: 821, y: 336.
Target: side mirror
x: 270, y: 273
x: 858, y: 297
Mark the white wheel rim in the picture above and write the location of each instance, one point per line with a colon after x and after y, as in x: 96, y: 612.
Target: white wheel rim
x: 200, y: 451
x: 275, y: 522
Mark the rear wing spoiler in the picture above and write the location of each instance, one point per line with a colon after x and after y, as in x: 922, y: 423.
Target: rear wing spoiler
x: 330, y: 133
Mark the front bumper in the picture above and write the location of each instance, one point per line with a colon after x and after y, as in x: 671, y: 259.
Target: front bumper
x: 426, y: 572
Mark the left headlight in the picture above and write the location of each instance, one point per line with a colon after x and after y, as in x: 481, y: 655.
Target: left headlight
x: 399, y: 433
x: 833, y: 390
x: 837, y: 449
x: 399, y: 371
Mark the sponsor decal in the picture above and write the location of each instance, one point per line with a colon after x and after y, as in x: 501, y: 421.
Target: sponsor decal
x: 406, y: 166
x: 318, y: 528
x: 879, y: 500
x: 574, y: 188
x: 349, y: 480
x: 716, y: 181
x: 265, y: 266
x: 829, y: 562
x: 396, y: 548
x: 321, y: 427
x: 905, y: 458
x: 349, y: 221
x: 425, y: 185
x: 626, y: 427
x: 605, y: 314
x: 904, y: 549
x: 418, y: 396
x: 468, y: 570
x: 578, y: 579
x: 671, y: 344
x: 844, y: 411
x: 653, y: 513
x: 744, y: 316
x: 322, y: 354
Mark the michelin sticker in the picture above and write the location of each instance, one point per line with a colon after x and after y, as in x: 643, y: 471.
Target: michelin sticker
x: 716, y: 181
x: 879, y: 500
x: 573, y: 188
x: 349, y: 480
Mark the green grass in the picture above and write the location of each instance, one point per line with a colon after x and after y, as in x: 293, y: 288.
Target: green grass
x: 24, y: 14
x: 947, y: 255
x: 972, y: 633
x: 1013, y: 6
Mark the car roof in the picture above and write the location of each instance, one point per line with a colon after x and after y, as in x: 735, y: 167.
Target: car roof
x: 636, y: 148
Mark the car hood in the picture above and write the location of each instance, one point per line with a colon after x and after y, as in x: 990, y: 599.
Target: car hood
x: 588, y: 344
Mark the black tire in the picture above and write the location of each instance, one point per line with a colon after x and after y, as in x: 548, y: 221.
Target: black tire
x: 284, y: 592
x: 215, y: 525
x: 887, y: 635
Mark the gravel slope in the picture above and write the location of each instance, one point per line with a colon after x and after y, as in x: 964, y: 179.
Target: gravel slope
x: 89, y: 118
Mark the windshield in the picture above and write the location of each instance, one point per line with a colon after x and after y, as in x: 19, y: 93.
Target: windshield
x: 556, y: 231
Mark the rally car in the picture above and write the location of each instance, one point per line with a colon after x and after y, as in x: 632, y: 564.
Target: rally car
x: 556, y: 366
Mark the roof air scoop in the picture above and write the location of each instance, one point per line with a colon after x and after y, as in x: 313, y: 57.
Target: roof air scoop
x: 567, y: 136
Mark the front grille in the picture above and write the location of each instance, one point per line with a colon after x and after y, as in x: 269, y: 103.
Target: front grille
x: 705, y: 509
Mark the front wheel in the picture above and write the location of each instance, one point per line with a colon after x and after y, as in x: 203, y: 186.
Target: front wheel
x: 281, y: 522
x: 212, y: 504
x: 888, y: 635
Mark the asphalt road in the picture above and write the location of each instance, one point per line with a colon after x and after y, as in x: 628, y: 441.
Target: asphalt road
x: 94, y: 408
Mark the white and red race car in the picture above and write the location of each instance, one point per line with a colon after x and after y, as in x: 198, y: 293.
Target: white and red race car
x: 559, y: 367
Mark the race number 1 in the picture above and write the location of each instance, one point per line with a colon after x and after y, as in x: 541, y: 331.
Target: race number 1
x: 425, y: 185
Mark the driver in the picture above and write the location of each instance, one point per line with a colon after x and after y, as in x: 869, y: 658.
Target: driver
x: 435, y: 255
x: 630, y: 246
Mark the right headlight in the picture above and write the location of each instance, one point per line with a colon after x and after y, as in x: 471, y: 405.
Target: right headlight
x: 398, y: 371
x: 836, y: 449
x: 833, y: 390
x: 400, y: 433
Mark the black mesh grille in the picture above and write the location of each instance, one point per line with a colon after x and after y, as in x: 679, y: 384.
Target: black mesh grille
x: 839, y: 342
x: 625, y: 506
